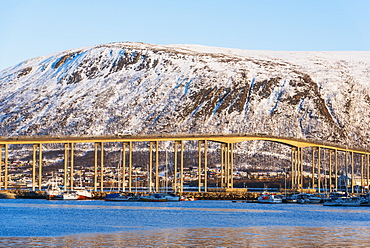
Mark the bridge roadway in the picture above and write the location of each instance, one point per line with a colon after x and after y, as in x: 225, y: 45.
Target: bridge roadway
x: 221, y: 138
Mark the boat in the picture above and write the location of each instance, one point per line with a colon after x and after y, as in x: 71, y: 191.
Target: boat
x: 69, y: 195
x: 307, y: 198
x: 121, y: 197
x: 289, y: 199
x: 314, y: 199
x: 79, y: 193
x: 269, y: 198
x: 365, y: 200
x: 171, y: 197
x: 153, y: 198
x: 184, y: 198
x: 53, y: 191
x: 83, y: 193
x: 343, y: 201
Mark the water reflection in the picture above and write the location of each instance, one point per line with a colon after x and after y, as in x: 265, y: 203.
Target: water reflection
x: 70, y: 206
x: 279, y: 236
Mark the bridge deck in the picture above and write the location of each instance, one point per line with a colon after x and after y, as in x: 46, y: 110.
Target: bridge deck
x: 226, y: 138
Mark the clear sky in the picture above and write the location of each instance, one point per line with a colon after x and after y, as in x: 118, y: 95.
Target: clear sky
x: 31, y: 28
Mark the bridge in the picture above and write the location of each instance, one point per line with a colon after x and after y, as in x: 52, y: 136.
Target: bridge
x: 227, y: 142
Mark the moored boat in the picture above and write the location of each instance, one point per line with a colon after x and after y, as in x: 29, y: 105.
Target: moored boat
x: 171, y: 197
x: 269, y: 198
x: 343, y: 201
x: 184, y: 198
x: 307, y: 198
x: 53, y: 191
x: 69, y: 195
x: 365, y: 200
x: 289, y: 199
x: 83, y: 193
x: 121, y: 197
x: 153, y: 198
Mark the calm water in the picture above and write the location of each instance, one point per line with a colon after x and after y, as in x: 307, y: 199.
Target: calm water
x: 42, y: 223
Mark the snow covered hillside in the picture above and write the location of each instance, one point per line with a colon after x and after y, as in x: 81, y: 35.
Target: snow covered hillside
x: 141, y: 88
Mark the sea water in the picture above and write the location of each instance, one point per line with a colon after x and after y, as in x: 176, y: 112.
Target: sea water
x: 42, y: 223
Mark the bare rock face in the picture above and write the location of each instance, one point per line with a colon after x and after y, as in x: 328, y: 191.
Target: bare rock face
x: 141, y: 89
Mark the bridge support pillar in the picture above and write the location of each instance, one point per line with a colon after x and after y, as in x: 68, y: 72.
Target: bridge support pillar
x: 156, y: 184
x: 362, y: 173
x: 40, y: 166
x: 126, y: 166
x: 68, y: 166
x: 123, y: 166
x: 330, y: 170
x: 204, y: 168
x: 156, y: 167
x: 130, y: 166
x: 101, y: 167
x: 34, y: 162
x: 367, y: 171
x: 336, y: 169
x: 346, y: 170
x: 227, y: 165
x: 296, y: 168
x: 182, y: 167
x: 96, y: 145
x: 96, y: 150
x: 34, y: 158
x: 222, y: 167
x: 352, y: 172
x: 178, y: 186
x: 231, y: 165
x: 6, y: 164
x: 319, y: 169
x: 3, y: 178
x: 72, y: 164
x: 300, y: 167
x: 175, y: 169
x: 314, y: 150
x: 65, y: 172
x: 199, y: 166
x: 150, y: 182
x: 293, y: 169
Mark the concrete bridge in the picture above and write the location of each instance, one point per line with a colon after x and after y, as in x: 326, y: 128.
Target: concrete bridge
x: 227, y: 142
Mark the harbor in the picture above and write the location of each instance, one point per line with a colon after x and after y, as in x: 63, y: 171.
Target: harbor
x: 234, y: 195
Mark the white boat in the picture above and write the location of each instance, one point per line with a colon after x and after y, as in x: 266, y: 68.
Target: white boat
x: 172, y: 197
x: 307, y: 198
x: 69, y: 195
x: 269, y: 198
x: 78, y: 193
x: 184, y: 198
x: 153, y: 198
x: 343, y: 201
x: 83, y: 193
x: 53, y: 191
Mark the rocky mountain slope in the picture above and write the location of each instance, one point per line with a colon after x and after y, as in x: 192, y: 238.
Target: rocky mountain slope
x: 141, y: 89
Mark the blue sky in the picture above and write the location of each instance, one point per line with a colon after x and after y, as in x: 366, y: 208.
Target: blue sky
x: 31, y: 28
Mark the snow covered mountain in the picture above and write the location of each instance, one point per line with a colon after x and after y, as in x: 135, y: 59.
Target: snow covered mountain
x: 141, y: 89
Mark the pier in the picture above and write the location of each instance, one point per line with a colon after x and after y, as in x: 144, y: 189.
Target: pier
x: 299, y: 147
